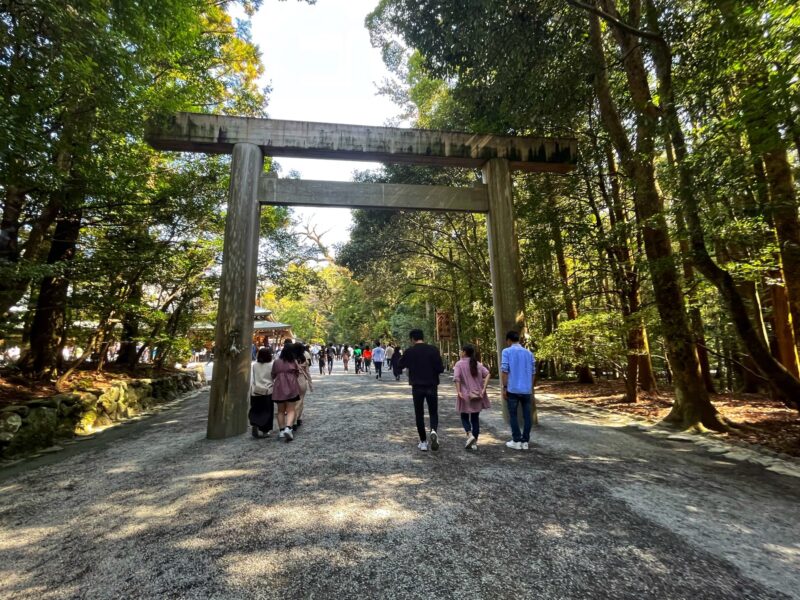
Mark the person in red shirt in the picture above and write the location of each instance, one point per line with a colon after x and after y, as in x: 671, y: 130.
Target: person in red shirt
x: 367, y: 359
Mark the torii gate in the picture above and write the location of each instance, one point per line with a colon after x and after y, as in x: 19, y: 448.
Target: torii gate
x: 250, y: 139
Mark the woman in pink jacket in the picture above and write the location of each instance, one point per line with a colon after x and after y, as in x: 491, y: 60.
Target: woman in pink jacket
x: 286, y: 390
x: 471, y: 379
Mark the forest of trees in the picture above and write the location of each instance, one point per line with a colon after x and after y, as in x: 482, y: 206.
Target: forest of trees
x: 104, y: 239
x: 672, y: 253
x: 669, y: 257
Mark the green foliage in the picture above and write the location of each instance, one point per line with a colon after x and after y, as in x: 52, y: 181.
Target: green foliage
x: 595, y: 338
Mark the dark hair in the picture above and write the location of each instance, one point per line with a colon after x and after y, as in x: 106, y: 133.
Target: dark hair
x: 366, y: 347
x: 264, y: 355
x: 469, y: 350
x: 287, y: 353
x: 513, y: 336
x: 299, y: 352
x: 416, y: 335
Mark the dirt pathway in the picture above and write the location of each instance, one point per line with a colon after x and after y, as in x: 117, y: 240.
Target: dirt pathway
x: 353, y: 509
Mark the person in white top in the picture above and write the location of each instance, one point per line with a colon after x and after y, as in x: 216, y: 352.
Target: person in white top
x: 378, y: 356
x: 261, y: 407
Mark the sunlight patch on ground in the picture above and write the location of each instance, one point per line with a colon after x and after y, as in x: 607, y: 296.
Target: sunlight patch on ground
x: 25, y: 536
x: 347, y: 513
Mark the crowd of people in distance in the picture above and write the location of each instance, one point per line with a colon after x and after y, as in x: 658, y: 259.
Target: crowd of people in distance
x: 279, y: 384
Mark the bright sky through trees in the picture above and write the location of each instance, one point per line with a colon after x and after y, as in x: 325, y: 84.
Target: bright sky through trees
x: 321, y: 66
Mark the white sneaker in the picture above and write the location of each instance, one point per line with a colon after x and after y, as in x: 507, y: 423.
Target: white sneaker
x: 288, y: 434
x: 514, y: 445
x: 282, y: 434
x: 434, y: 438
x: 470, y: 442
x: 474, y: 447
x: 524, y: 445
x: 423, y: 446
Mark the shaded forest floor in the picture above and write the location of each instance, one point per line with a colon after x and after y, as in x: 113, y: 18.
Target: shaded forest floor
x: 15, y: 388
x: 769, y: 424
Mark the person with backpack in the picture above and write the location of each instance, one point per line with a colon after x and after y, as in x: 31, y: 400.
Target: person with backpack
x: 471, y: 379
x: 424, y: 364
x: 331, y: 353
x: 322, y: 360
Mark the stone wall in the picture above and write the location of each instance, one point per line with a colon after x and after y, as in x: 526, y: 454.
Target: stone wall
x: 35, y: 425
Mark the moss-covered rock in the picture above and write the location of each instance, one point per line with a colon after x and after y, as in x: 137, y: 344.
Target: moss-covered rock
x: 85, y: 423
x: 10, y: 422
x: 38, y: 430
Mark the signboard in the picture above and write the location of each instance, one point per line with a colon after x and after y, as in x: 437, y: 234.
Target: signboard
x: 445, y: 328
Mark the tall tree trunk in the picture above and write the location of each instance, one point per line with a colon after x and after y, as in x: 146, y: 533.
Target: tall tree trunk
x: 127, y: 355
x: 692, y: 407
x: 584, y: 372
x: 51, y: 305
x: 787, y: 384
x: 631, y: 283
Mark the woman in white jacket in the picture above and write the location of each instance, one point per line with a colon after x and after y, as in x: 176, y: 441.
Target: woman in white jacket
x: 261, y: 407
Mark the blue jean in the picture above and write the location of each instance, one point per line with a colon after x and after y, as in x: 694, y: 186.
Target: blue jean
x: 513, y: 401
x: 471, y: 423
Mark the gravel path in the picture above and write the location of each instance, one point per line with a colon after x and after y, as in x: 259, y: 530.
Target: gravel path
x: 351, y: 509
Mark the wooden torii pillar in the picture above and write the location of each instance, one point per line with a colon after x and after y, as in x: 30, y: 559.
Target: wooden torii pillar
x: 250, y: 139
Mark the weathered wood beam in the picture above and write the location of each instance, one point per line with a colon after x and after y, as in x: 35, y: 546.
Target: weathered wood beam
x: 217, y: 134
x: 230, y: 383
x: 298, y: 192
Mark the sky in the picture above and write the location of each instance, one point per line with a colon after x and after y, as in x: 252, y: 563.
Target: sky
x: 321, y: 67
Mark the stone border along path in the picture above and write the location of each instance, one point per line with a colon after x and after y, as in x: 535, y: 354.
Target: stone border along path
x: 776, y: 462
x: 352, y: 509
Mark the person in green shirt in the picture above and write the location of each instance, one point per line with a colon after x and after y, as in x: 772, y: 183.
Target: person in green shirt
x: 357, y: 355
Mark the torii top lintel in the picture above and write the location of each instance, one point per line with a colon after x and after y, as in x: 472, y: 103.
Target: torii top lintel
x: 217, y: 134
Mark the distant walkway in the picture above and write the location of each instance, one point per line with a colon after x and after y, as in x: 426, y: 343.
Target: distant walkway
x: 351, y: 509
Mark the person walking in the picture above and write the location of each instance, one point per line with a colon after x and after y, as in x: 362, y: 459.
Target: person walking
x: 358, y: 355
x: 471, y: 379
x: 378, y: 356
x: 346, y: 358
x: 262, y: 409
x: 387, y: 361
x: 424, y: 364
x: 397, y: 370
x: 304, y: 380
x: 331, y: 352
x: 518, y: 374
x: 322, y: 359
x: 367, y: 359
x: 286, y: 389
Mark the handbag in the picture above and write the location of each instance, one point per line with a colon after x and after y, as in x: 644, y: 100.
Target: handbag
x: 476, y: 395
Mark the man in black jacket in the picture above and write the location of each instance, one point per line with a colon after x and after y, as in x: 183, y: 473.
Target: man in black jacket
x: 424, y: 363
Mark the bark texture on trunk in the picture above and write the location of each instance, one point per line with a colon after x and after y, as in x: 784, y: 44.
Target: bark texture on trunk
x: 48, y: 323
x: 692, y: 407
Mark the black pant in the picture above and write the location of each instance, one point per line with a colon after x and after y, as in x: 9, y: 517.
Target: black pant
x: 261, y: 412
x: 420, y: 395
x: 378, y: 366
x: 471, y: 423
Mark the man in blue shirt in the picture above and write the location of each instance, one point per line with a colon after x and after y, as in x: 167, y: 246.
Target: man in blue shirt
x: 518, y: 371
